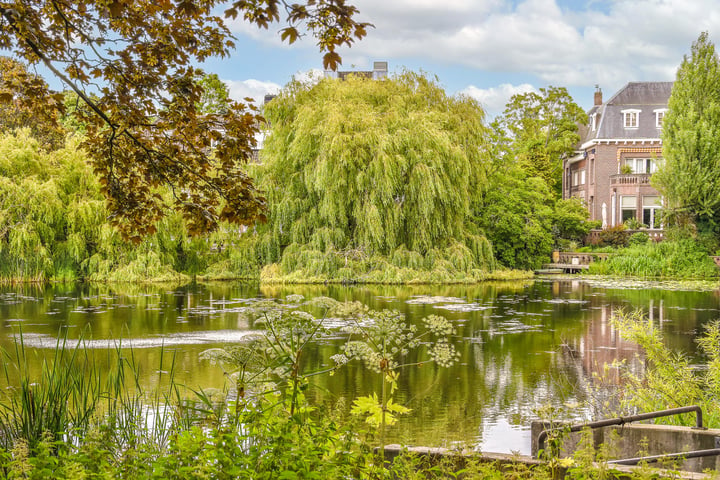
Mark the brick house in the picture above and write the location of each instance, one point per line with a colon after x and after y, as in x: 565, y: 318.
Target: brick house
x: 620, y: 149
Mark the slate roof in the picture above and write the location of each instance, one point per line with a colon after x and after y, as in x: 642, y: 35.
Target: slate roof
x: 643, y: 96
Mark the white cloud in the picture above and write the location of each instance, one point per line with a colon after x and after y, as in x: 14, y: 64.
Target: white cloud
x: 312, y: 76
x: 494, y: 99
x: 255, y: 89
x: 571, y: 43
x: 610, y: 42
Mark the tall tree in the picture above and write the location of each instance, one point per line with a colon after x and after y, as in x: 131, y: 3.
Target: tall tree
x: 376, y: 166
x: 689, y: 178
x: 543, y: 127
x: 144, y: 131
x: 215, y: 97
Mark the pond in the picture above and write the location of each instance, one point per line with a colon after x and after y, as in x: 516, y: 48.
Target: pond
x: 523, y: 345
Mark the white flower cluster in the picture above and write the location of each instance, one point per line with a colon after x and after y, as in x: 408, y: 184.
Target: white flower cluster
x: 438, y: 325
x: 340, y: 359
x: 444, y: 353
x: 294, y: 298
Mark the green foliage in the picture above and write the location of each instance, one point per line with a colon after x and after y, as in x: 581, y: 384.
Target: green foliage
x: 616, y: 236
x: 570, y: 219
x: 517, y: 218
x: 670, y: 379
x: 215, y: 98
x: 358, y: 168
x: 542, y: 128
x: 678, y: 259
x: 638, y: 238
x: 689, y: 179
x: 634, y: 224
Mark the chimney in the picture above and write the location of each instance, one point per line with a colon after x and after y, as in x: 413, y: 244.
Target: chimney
x: 598, y: 95
x: 380, y: 70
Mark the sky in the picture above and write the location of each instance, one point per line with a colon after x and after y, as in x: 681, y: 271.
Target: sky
x: 491, y: 49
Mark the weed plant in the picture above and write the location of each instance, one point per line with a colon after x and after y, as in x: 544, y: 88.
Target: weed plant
x: 670, y: 378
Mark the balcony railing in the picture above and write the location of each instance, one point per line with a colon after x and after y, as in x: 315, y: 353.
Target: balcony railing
x: 630, y: 179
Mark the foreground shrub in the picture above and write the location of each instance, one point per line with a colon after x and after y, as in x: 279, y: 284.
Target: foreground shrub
x: 671, y: 379
x: 615, y: 236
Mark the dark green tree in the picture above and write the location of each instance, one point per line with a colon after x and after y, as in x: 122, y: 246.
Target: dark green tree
x: 517, y: 217
x: 689, y: 178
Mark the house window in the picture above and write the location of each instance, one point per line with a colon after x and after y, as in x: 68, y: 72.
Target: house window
x: 659, y: 116
x: 651, y: 209
x: 628, y: 204
x: 631, y: 118
x: 575, y: 179
x: 582, y: 177
x: 641, y: 165
x: 593, y: 121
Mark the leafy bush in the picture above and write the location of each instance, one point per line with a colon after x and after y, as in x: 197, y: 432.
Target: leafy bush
x: 638, y: 238
x: 569, y: 220
x: 615, y: 236
x: 670, y: 377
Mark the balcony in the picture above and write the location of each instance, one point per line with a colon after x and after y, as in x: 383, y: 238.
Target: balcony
x: 630, y: 179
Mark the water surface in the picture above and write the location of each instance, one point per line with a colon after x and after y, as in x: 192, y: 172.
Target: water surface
x: 523, y: 345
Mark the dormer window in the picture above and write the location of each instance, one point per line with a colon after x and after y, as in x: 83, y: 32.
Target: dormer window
x: 630, y: 118
x: 659, y: 116
x: 593, y: 121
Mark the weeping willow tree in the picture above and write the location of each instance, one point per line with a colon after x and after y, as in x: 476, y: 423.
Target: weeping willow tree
x: 54, y: 223
x: 366, y: 175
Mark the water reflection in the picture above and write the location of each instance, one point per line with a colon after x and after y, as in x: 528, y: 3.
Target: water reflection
x: 522, y: 345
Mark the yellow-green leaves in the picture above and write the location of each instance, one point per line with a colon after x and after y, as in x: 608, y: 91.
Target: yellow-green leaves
x: 372, y: 409
x: 373, y: 166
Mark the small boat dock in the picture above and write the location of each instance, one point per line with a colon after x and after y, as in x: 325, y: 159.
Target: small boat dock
x: 569, y: 262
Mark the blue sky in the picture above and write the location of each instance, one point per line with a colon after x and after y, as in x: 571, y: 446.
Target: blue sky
x: 491, y: 49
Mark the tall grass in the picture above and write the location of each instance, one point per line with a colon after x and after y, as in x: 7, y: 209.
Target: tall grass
x: 678, y: 259
x: 73, y: 394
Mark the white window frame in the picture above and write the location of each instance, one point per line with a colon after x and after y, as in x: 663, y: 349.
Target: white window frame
x: 643, y: 162
x: 625, y: 207
x: 659, y: 116
x: 582, y: 177
x: 631, y: 118
x: 593, y: 121
x: 652, y: 207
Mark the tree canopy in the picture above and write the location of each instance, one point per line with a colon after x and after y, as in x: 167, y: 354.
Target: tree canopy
x: 542, y: 128
x: 689, y: 178
x: 376, y: 167
x: 144, y: 131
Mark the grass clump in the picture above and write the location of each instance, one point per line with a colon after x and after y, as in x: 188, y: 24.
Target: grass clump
x: 679, y: 259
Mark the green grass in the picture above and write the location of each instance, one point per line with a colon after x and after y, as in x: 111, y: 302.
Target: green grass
x: 682, y: 259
